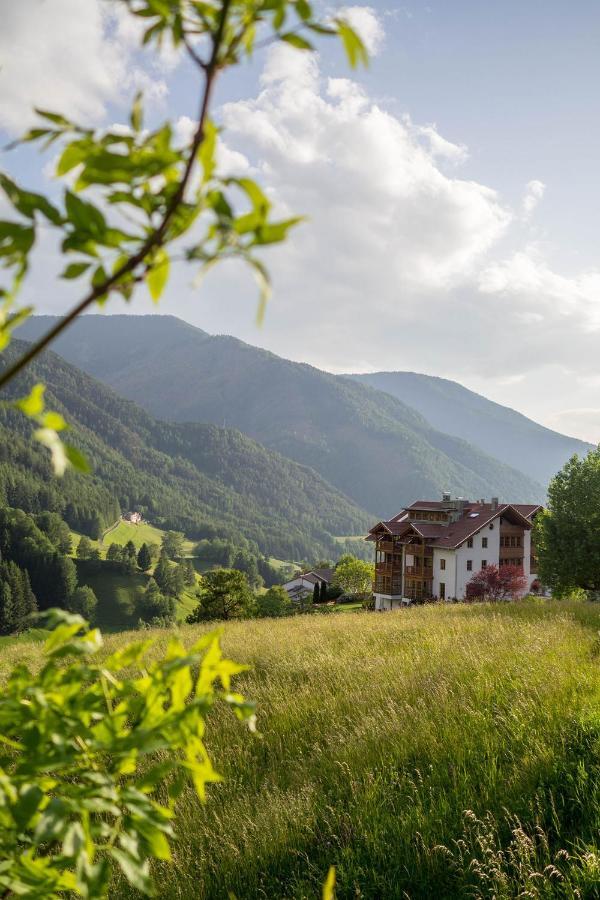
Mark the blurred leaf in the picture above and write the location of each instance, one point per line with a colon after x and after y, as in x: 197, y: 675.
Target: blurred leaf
x: 158, y: 275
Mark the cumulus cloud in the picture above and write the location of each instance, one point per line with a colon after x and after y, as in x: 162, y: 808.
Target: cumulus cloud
x: 72, y: 56
x: 534, y: 192
x: 367, y: 180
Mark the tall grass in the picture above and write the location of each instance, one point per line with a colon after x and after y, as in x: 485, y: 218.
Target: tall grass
x: 444, y: 751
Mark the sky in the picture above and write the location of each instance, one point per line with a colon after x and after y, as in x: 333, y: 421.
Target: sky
x: 451, y: 191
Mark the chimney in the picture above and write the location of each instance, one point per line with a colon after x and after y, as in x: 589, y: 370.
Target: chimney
x: 494, y: 503
x: 446, y: 497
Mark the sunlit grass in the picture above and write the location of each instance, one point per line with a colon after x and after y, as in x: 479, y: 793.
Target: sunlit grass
x: 416, y: 751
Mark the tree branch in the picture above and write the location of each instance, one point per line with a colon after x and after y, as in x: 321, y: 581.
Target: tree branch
x: 155, y: 240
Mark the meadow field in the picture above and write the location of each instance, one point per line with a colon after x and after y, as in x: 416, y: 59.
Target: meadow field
x: 440, y: 751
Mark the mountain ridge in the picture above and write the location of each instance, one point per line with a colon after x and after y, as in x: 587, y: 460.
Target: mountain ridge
x: 371, y: 446
x: 199, y: 478
x: 500, y: 430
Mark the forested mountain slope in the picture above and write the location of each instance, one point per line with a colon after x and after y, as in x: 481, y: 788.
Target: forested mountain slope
x: 495, y: 429
x: 204, y: 480
x: 370, y: 445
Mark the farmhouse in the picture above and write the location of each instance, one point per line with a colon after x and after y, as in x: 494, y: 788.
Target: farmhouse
x: 134, y: 517
x: 302, y: 585
x: 432, y: 548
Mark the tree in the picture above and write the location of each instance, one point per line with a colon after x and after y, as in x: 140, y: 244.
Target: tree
x: 83, y: 601
x: 224, y: 594
x: 189, y: 572
x: 567, y: 534
x: 493, y: 583
x: 316, y: 596
x: 57, y: 530
x: 115, y: 553
x: 130, y: 550
x: 172, y: 544
x: 354, y: 576
x: 155, y: 605
x: 144, y: 558
x: 323, y: 592
x: 274, y: 603
x: 84, y: 548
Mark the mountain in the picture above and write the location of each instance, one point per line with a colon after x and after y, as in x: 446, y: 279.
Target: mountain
x: 201, y: 479
x: 508, y: 435
x: 370, y: 445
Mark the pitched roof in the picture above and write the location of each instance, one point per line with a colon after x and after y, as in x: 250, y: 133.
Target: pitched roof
x: 450, y: 535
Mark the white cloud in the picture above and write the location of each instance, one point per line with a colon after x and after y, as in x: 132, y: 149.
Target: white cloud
x: 73, y: 56
x: 371, y: 186
x: 534, y: 192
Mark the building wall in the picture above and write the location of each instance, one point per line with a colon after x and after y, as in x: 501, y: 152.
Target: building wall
x: 448, y: 575
x: 477, y: 553
x: 385, y: 602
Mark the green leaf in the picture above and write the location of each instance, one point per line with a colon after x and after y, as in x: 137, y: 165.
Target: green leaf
x: 33, y: 404
x: 73, y: 154
x: 28, y: 203
x: 28, y: 803
x: 77, y: 459
x: 74, y: 270
x: 295, y: 40
x: 353, y: 45
x: 158, y: 275
x: 303, y: 9
x: 85, y: 216
x: 137, y: 112
x: 136, y: 873
x: 54, y: 117
x: 329, y: 885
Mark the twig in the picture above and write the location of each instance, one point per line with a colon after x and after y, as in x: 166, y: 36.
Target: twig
x: 154, y: 240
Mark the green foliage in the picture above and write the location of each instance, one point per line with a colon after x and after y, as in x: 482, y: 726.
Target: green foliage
x: 17, y: 600
x: 156, y: 605
x: 567, y: 534
x: 354, y: 576
x: 83, y: 602
x: 86, y: 745
x: 144, y: 558
x: 52, y: 575
x: 273, y: 603
x: 84, y: 548
x: 223, y: 594
x: 172, y: 544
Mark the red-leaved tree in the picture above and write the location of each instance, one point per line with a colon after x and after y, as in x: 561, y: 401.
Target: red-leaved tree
x: 493, y: 583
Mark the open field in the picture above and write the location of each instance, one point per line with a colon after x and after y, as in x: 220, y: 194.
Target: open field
x: 435, y: 752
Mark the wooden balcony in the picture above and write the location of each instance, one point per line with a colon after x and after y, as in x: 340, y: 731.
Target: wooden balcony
x: 385, y: 546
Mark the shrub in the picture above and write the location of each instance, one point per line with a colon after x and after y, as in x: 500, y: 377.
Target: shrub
x: 85, y: 745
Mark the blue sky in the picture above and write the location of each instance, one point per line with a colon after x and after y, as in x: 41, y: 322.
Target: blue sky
x: 452, y: 189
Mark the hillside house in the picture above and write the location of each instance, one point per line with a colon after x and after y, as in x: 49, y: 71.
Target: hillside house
x: 433, y: 547
x: 302, y: 585
x: 134, y: 517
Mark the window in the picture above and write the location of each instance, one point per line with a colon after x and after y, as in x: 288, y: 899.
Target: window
x: 470, y: 542
x: 484, y: 542
x: 442, y: 564
x: 469, y: 565
x: 484, y: 563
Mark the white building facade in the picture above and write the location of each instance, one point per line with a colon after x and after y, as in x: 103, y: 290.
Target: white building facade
x: 432, y: 549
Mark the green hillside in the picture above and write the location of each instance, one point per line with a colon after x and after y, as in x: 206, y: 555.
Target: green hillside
x: 370, y: 445
x: 495, y: 429
x: 199, y: 479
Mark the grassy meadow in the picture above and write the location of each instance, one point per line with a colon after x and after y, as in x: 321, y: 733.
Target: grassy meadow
x: 441, y: 751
